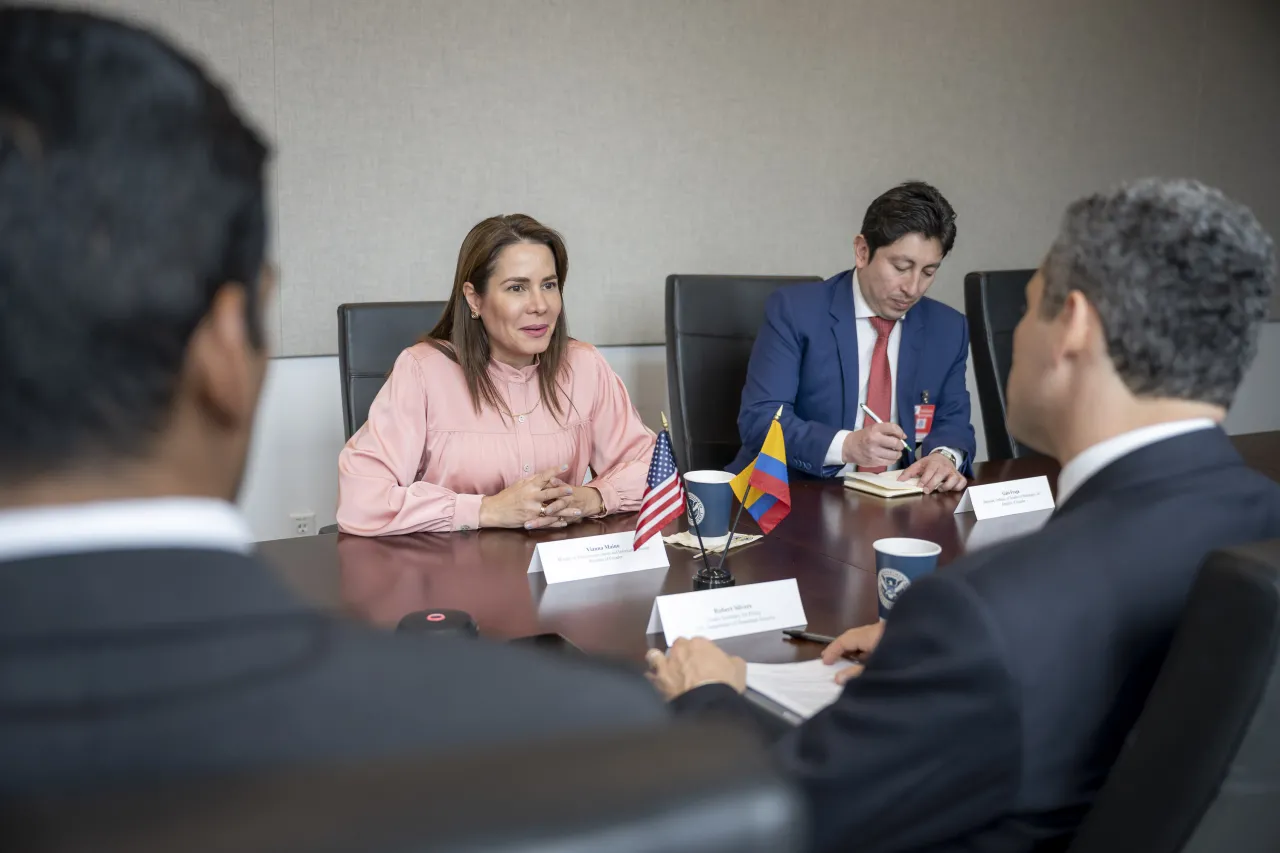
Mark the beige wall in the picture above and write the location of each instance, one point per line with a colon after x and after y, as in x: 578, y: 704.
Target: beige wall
x: 715, y: 135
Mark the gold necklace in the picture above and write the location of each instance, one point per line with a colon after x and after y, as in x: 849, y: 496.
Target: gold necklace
x: 536, y: 360
x: 531, y: 411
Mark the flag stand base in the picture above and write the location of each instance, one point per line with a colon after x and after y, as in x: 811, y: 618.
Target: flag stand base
x: 713, y: 579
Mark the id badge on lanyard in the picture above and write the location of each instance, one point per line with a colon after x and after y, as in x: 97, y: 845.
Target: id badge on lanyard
x: 924, y: 418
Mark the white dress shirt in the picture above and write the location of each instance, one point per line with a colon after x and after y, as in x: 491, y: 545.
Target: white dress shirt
x: 189, y: 523
x: 1099, y: 456
x: 867, y: 336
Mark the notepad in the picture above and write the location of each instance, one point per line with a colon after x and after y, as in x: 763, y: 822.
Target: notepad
x: 884, y: 485
x: 802, y: 688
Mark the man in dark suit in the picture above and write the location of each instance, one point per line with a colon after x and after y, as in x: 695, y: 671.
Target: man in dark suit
x: 869, y: 336
x: 1005, y: 684
x: 139, y: 638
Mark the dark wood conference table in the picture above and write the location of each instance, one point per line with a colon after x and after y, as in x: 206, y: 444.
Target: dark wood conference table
x: 825, y: 544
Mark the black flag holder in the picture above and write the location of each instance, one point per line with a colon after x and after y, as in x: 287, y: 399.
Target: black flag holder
x: 720, y: 576
x: 709, y: 578
x: 706, y: 577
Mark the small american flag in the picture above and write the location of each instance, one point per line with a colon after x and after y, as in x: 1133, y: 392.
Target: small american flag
x: 664, y: 498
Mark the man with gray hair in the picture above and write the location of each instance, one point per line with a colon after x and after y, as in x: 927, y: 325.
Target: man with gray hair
x: 1004, y: 685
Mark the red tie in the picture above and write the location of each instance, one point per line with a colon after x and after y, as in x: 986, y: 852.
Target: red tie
x: 880, y: 382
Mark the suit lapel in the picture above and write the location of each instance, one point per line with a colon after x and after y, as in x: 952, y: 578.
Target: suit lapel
x: 846, y: 334
x: 908, y: 358
x: 1171, y: 458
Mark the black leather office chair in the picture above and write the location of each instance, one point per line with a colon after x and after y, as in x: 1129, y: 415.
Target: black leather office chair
x: 994, y: 302
x: 712, y: 322
x: 688, y: 788
x: 370, y: 336
x: 1201, y: 773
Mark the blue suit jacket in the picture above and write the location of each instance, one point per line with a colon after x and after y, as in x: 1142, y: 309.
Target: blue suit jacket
x: 805, y: 359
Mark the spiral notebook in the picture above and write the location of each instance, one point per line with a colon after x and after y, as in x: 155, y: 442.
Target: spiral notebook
x: 883, y: 485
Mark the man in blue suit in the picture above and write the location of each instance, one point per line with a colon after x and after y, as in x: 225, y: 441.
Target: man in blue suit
x: 999, y: 692
x: 869, y: 336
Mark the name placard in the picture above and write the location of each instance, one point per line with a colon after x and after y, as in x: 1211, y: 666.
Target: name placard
x: 597, y: 556
x: 728, y: 612
x: 993, y: 531
x: 1009, y: 498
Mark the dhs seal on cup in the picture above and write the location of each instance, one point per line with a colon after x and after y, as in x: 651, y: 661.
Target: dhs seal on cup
x: 697, y: 510
x: 899, y: 562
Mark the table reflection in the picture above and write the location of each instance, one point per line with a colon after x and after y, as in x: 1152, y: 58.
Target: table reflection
x: 382, y: 579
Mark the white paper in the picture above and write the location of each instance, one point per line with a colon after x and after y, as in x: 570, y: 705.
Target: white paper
x: 597, y: 556
x: 685, y: 539
x: 728, y: 612
x: 997, y: 500
x: 802, y: 688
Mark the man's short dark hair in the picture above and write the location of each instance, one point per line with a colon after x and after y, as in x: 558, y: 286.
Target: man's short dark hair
x: 911, y: 208
x: 130, y: 190
x: 1181, y: 278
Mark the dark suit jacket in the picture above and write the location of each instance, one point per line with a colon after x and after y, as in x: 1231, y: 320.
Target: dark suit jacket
x: 805, y: 359
x: 1006, y: 683
x: 152, y: 665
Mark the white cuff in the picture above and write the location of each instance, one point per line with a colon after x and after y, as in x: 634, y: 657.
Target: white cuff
x: 835, y: 453
x: 959, y: 454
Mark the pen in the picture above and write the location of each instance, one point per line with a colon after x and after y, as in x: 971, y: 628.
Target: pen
x: 797, y: 634
x: 866, y: 411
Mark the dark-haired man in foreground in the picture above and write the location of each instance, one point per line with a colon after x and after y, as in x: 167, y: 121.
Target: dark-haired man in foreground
x: 139, y: 638
x: 1005, y: 684
x: 869, y: 336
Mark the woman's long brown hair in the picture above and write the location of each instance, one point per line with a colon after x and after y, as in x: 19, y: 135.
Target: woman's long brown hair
x: 465, y: 341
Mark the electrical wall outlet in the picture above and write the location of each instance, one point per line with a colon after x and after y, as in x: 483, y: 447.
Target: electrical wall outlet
x: 304, y: 523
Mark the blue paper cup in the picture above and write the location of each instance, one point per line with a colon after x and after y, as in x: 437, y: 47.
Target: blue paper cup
x: 710, y: 504
x: 899, y: 562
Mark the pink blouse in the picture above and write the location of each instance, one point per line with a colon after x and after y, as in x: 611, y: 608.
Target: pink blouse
x: 424, y: 459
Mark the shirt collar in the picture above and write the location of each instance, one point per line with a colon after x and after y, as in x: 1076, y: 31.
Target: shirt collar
x: 862, y: 310
x: 188, y: 523
x: 506, y: 373
x: 1099, y: 456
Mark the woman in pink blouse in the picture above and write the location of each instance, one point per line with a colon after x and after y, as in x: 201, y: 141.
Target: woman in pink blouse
x: 497, y: 414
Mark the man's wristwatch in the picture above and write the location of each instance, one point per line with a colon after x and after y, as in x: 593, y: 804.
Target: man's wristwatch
x: 955, y: 460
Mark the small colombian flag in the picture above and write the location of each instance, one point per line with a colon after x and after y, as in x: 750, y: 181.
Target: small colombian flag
x: 762, y: 487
